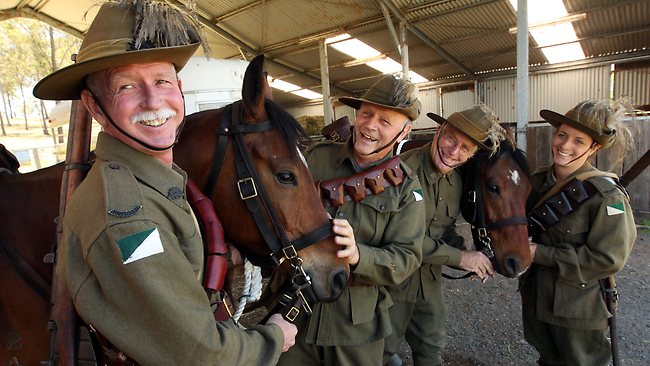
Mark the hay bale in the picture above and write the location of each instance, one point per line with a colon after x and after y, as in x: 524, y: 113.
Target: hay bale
x: 312, y: 124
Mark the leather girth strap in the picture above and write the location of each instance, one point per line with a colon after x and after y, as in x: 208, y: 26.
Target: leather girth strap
x: 335, y: 192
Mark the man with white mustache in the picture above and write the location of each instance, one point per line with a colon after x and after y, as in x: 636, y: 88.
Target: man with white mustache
x: 131, y: 254
x: 419, y: 310
x: 380, y: 234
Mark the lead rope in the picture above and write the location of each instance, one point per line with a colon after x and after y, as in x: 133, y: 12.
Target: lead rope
x: 252, y: 290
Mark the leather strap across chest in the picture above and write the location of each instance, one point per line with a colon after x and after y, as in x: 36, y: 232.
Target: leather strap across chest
x: 335, y: 192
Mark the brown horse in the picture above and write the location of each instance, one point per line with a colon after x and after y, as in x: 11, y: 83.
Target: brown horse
x: 29, y: 206
x: 495, y: 190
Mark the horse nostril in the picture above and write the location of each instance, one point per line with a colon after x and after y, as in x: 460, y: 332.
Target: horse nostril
x: 339, y: 282
x: 512, y: 266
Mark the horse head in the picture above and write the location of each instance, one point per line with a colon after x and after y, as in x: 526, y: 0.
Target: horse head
x: 495, y: 190
x: 254, y: 145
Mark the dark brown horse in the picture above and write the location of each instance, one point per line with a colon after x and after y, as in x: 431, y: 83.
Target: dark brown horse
x: 29, y: 206
x: 495, y: 190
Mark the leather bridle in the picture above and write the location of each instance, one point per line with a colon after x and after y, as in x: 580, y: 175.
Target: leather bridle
x: 258, y: 203
x: 472, y: 210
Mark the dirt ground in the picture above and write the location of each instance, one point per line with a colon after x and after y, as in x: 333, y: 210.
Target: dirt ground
x: 484, y: 320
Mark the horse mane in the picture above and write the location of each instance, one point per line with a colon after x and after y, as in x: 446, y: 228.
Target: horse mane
x: 292, y: 132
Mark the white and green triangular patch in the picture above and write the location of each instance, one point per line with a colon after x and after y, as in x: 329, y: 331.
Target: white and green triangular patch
x: 615, y: 209
x: 141, y: 245
x: 417, y: 193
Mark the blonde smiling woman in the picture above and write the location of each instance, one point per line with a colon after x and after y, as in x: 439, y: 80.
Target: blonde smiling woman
x: 584, y: 232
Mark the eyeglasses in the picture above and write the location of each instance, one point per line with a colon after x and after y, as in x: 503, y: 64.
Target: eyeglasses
x: 449, y: 140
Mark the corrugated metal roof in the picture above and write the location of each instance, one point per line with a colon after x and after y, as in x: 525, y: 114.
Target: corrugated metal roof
x: 473, y: 33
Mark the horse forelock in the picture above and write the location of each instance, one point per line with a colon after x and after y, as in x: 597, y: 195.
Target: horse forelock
x: 508, y: 147
x: 289, y: 128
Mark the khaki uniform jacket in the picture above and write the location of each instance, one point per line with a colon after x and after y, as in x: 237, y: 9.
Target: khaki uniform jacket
x: 442, y: 206
x: 591, y: 243
x: 388, y: 229
x: 132, y: 258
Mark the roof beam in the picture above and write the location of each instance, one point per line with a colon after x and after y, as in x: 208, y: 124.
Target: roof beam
x: 424, y: 38
x: 253, y: 52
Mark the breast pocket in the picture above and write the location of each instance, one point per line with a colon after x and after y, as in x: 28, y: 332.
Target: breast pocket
x: 378, y: 211
x: 572, y: 229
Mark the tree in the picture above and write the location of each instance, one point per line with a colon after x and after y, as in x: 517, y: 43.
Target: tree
x: 31, y: 49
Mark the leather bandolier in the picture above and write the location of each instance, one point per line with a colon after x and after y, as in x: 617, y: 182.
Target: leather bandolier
x: 337, y: 191
x: 216, y: 269
x: 562, y: 201
x: 356, y: 187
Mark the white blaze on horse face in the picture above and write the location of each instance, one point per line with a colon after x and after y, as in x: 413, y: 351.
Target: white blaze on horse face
x: 514, y: 177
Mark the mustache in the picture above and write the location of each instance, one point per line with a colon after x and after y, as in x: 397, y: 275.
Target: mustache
x: 163, y: 113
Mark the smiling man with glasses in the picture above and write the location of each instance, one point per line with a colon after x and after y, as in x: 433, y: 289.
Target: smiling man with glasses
x: 419, y: 310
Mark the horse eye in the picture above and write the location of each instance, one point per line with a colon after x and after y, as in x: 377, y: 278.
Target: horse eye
x: 286, y: 178
x: 493, y: 189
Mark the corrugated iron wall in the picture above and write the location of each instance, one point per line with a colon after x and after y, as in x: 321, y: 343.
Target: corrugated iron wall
x: 558, y: 91
x: 633, y: 84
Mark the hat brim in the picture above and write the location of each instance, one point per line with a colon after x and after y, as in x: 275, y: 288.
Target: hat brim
x: 67, y: 83
x: 441, y: 120
x: 557, y: 120
x: 411, y: 112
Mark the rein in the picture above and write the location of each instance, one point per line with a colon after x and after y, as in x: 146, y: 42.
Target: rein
x: 258, y: 203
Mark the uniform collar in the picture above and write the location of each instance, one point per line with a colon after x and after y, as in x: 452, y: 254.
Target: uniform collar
x: 346, y: 153
x: 550, y: 180
x: 147, y: 169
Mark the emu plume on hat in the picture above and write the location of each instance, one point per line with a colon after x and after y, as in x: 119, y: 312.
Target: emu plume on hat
x: 479, y: 123
x: 391, y: 92
x: 126, y: 32
x: 591, y: 117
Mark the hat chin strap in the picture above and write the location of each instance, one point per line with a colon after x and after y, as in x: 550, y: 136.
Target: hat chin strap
x: 581, y: 155
x: 140, y: 142
x: 391, y: 142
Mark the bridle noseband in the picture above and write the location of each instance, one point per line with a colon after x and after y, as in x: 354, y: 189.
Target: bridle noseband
x: 258, y: 203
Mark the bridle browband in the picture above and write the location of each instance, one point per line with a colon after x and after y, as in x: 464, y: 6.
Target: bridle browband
x: 258, y: 203
x: 472, y: 210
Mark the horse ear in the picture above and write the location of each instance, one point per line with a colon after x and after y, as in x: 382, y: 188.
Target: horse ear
x: 255, y: 88
x: 510, y: 135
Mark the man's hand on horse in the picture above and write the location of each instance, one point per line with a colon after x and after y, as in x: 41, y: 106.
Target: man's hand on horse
x: 288, y: 330
x: 477, y: 262
x: 345, y: 238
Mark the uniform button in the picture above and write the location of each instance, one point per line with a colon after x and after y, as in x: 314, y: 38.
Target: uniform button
x: 382, y: 207
x: 583, y: 285
x: 340, y: 214
x: 568, y: 231
x: 435, y: 218
x: 114, y: 166
x: 439, y: 198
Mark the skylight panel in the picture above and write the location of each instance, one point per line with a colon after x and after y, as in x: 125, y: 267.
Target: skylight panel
x: 356, y: 48
x: 564, y: 53
x: 307, y: 94
x: 550, y: 25
x: 282, y: 85
x: 552, y: 35
x: 366, y: 54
